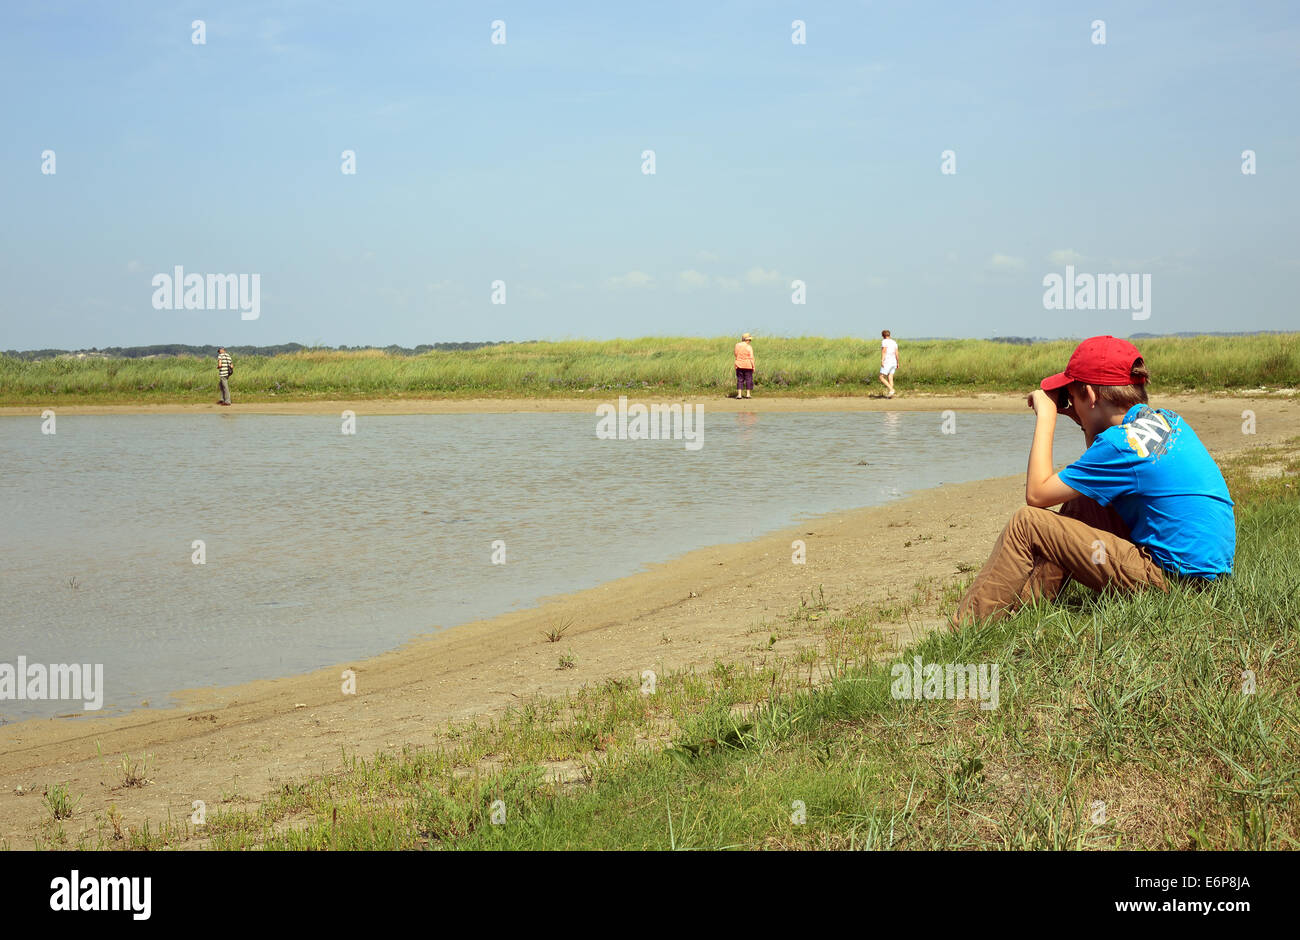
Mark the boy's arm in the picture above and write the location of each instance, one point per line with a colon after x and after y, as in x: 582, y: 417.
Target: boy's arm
x: 1043, y: 488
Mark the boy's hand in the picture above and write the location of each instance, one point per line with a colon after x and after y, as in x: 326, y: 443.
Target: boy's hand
x: 1039, y: 400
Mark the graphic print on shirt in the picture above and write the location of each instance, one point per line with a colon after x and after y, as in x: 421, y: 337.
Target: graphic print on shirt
x: 1149, y: 433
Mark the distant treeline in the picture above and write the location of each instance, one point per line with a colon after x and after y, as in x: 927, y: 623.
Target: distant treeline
x: 182, y: 349
x: 1215, y: 333
x: 1031, y: 340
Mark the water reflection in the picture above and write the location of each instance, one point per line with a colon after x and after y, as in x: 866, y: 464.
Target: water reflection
x: 891, y: 423
x: 746, y: 422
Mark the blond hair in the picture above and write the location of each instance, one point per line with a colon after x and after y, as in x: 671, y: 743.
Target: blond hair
x: 1124, y: 396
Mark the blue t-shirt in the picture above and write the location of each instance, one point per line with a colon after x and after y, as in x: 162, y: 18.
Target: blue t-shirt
x: 1164, y: 484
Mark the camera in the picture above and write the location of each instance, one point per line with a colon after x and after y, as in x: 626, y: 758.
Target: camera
x: 1063, y: 399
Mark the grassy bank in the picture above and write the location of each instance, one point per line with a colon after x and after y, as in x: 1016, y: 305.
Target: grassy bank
x: 1122, y: 722
x: 652, y: 366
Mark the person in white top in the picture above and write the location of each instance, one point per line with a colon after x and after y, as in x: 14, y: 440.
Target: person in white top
x: 888, y: 362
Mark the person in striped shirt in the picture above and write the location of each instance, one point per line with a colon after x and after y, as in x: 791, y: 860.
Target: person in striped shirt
x: 224, y: 368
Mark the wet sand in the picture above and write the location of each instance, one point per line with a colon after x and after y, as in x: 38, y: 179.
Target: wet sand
x: 987, y: 403
x: 707, y: 605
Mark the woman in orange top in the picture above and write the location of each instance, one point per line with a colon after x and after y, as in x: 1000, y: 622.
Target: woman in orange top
x: 744, y: 367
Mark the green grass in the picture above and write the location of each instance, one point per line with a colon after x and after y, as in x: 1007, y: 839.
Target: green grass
x: 648, y: 366
x: 60, y: 802
x: 1123, y: 722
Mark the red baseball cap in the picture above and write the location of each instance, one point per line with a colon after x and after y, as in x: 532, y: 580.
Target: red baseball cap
x: 1099, y: 360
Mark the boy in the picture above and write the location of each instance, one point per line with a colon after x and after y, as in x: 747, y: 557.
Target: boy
x: 888, y: 362
x: 1144, y: 505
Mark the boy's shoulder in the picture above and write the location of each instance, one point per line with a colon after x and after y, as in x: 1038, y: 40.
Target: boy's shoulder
x: 1144, y: 432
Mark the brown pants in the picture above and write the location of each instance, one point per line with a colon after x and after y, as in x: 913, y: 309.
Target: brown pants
x: 1040, y: 550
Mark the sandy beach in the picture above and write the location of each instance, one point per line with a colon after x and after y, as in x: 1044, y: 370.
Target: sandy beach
x: 985, y: 403
x: 708, y: 605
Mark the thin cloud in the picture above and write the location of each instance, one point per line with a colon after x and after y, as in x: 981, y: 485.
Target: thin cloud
x: 632, y: 279
x: 1065, y: 256
x: 758, y: 276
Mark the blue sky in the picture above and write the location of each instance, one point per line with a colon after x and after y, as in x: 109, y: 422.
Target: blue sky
x: 521, y: 162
